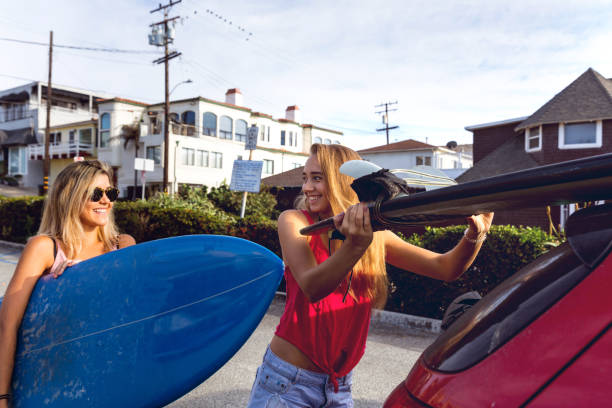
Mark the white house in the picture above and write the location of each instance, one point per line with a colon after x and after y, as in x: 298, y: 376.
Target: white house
x: 23, y: 115
x: 206, y: 136
x: 407, y: 154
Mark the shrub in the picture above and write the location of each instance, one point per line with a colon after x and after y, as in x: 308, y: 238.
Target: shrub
x: 507, y: 249
x: 258, y: 205
x: 20, y: 217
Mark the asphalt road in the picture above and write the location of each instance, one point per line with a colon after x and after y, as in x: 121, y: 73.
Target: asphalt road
x: 390, y: 353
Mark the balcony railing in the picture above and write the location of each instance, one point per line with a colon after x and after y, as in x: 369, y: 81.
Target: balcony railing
x: 60, y: 150
x: 183, y: 130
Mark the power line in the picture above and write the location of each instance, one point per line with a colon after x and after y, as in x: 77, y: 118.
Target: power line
x: 75, y: 47
x: 164, y: 38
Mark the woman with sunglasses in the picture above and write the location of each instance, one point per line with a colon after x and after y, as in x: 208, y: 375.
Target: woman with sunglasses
x: 333, y: 285
x: 77, y: 224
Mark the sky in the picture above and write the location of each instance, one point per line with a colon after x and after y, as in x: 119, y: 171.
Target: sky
x: 447, y: 64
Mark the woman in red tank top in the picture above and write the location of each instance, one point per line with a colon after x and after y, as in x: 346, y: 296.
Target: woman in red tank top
x: 332, y: 286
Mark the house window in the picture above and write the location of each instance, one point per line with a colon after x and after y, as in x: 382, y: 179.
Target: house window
x: 216, y: 160
x: 71, y: 135
x: 327, y: 141
x: 241, y: 130
x: 282, y: 137
x: 85, y: 137
x: 580, y: 135
x: 17, y: 160
x: 290, y: 138
x: 154, y: 153
x: 55, y: 138
x: 187, y: 156
x: 201, y: 158
x: 336, y: 142
x: 225, y: 127
x: 533, y: 139
x: 209, y: 128
x: 105, y: 124
x: 268, y: 166
x: 188, y: 119
x: 262, y: 136
x: 268, y: 138
x: 423, y: 160
x: 317, y: 140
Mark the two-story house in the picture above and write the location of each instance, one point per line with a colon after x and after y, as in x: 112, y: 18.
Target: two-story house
x: 23, y: 115
x: 575, y: 123
x: 451, y: 159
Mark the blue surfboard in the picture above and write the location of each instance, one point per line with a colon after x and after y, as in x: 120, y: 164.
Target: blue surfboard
x: 142, y: 326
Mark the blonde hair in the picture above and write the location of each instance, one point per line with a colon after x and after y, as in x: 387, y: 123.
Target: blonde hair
x: 369, y: 273
x: 65, y: 202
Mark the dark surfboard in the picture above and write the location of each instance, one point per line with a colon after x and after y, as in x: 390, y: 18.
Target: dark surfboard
x: 574, y: 181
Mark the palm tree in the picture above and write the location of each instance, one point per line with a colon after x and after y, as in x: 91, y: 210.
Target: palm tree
x: 131, y: 134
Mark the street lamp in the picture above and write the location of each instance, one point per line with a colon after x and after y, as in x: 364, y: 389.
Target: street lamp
x: 188, y: 81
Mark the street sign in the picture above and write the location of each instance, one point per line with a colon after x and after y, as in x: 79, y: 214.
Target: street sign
x: 251, y: 141
x: 246, y: 176
x: 143, y: 164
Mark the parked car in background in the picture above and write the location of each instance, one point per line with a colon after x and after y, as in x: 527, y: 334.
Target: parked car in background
x: 541, y: 338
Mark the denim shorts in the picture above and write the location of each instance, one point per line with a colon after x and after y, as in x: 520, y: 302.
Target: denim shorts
x: 283, y: 385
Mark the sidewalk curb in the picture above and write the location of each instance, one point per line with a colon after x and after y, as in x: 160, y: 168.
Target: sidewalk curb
x: 12, y: 244
x: 381, y: 318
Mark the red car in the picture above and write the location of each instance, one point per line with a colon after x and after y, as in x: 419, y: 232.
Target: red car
x: 541, y: 338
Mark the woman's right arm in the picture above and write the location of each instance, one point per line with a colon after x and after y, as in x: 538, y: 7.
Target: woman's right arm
x: 319, y: 280
x: 35, y: 258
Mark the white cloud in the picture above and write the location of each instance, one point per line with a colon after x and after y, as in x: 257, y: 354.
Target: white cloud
x: 448, y: 64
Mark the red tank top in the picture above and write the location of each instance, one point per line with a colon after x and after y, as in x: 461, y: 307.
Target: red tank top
x: 328, y: 331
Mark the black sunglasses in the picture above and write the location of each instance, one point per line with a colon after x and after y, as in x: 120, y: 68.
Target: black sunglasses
x: 111, y: 193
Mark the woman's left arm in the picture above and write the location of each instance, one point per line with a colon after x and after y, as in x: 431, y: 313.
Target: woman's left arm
x: 448, y: 266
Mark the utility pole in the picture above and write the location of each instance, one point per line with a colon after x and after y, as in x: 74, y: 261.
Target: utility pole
x: 167, y: 39
x: 386, y: 117
x: 47, y: 159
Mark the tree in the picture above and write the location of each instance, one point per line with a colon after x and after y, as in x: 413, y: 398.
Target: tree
x: 131, y: 134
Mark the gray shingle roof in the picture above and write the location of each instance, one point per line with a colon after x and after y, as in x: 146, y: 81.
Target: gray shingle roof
x: 508, y: 157
x: 589, y: 97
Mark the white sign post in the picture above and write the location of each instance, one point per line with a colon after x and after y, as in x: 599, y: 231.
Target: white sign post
x: 143, y: 165
x: 250, y: 145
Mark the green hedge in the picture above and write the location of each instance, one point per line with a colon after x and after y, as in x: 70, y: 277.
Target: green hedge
x: 19, y: 217
x: 145, y: 221
x: 506, y: 250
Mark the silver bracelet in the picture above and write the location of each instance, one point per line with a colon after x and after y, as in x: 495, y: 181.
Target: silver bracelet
x: 481, y: 237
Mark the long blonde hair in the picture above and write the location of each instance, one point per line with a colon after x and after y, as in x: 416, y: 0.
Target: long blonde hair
x: 65, y: 201
x: 369, y: 273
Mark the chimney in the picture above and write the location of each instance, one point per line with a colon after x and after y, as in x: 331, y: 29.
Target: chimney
x: 234, y: 96
x: 292, y: 113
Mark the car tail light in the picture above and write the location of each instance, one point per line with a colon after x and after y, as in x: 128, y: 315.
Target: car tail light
x: 401, y: 398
